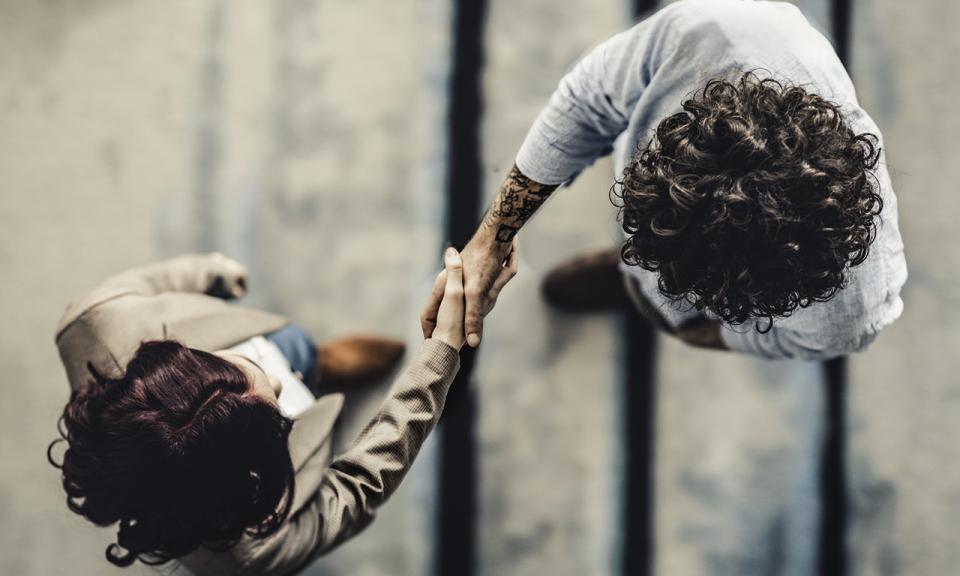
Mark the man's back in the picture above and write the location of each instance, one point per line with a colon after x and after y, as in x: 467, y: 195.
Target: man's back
x: 619, y: 93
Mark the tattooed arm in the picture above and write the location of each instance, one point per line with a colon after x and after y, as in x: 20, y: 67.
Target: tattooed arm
x: 484, y: 256
x: 489, y: 259
x: 518, y: 199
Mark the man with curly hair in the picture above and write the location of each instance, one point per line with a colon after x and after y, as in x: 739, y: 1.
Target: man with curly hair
x: 752, y: 188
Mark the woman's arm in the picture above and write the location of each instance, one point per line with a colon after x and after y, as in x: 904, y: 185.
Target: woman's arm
x: 361, y: 479
x: 213, y: 274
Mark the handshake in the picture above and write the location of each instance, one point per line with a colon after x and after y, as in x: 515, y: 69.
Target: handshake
x: 454, y: 314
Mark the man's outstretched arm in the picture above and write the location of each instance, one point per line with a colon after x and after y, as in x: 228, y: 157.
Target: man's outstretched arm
x: 587, y: 112
x: 488, y: 250
x: 517, y: 201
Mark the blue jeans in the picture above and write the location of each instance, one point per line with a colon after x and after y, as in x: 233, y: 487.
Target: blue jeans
x: 299, y: 348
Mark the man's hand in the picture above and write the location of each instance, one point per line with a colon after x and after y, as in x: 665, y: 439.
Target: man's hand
x: 479, y: 301
x: 486, y: 272
x: 485, y: 256
x: 702, y: 334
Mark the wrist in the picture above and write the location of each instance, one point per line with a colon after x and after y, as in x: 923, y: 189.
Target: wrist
x: 491, y: 238
x: 450, y: 340
x: 486, y: 234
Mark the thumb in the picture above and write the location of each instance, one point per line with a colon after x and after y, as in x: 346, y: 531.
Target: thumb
x: 454, y: 265
x: 474, y: 322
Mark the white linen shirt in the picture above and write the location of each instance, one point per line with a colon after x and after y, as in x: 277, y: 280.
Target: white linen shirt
x: 294, y: 397
x: 616, y: 95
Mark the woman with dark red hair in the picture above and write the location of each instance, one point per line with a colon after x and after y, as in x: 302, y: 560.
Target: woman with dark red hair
x: 177, y: 431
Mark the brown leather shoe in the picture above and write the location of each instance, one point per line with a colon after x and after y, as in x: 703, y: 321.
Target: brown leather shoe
x: 355, y: 360
x: 587, y: 283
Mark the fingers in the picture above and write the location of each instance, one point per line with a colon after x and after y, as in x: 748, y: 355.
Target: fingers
x: 240, y: 289
x: 234, y: 276
x: 449, y: 325
x: 507, y: 273
x: 239, y: 273
x: 481, y: 298
x: 474, y: 317
x: 428, y: 317
x: 454, y: 270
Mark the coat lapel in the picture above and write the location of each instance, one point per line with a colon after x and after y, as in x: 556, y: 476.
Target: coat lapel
x: 311, y: 446
x: 222, y: 328
x: 313, y: 427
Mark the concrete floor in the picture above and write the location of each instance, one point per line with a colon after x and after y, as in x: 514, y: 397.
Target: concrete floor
x: 307, y: 138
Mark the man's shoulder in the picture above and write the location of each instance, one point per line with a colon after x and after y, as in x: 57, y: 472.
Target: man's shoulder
x: 739, y: 12
x: 734, y: 22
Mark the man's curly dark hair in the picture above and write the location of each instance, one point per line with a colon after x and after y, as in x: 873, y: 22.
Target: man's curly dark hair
x: 753, y: 201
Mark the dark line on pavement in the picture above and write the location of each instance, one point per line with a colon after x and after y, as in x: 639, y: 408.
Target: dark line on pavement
x: 639, y: 417
x: 639, y: 424
x: 643, y: 8
x: 833, y: 470
x: 833, y: 473
x: 455, y: 550
x: 841, y: 12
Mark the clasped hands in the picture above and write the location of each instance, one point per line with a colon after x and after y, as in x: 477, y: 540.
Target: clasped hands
x: 459, y: 302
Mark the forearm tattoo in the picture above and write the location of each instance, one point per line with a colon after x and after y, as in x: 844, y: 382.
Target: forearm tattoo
x: 518, y: 199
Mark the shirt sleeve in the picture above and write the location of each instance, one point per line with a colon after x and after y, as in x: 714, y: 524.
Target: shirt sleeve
x: 781, y: 343
x: 591, y: 106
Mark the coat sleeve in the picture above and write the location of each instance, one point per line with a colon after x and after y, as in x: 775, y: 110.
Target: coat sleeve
x: 361, y: 479
x: 214, y: 274
x: 188, y: 273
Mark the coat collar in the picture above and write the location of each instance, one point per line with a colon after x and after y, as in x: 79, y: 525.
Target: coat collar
x: 312, y: 428
x: 311, y: 446
x: 221, y: 328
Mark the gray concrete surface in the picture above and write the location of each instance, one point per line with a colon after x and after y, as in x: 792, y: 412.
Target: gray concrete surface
x: 276, y: 132
x: 905, y: 394
x: 547, y: 383
x: 737, y: 492
x: 306, y: 137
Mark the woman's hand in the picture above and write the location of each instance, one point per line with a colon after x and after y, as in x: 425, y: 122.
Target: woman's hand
x: 429, y: 318
x: 229, y: 278
x: 446, y: 305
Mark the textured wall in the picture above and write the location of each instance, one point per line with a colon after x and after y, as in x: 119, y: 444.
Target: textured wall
x: 304, y: 137
x: 547, y: 383
x: 737, y: 459
x: 905, y: 394
x: 307, y: 137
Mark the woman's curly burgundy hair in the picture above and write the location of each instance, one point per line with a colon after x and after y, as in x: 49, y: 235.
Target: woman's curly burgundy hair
x: 180, y: 451
x: 751, y: 202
